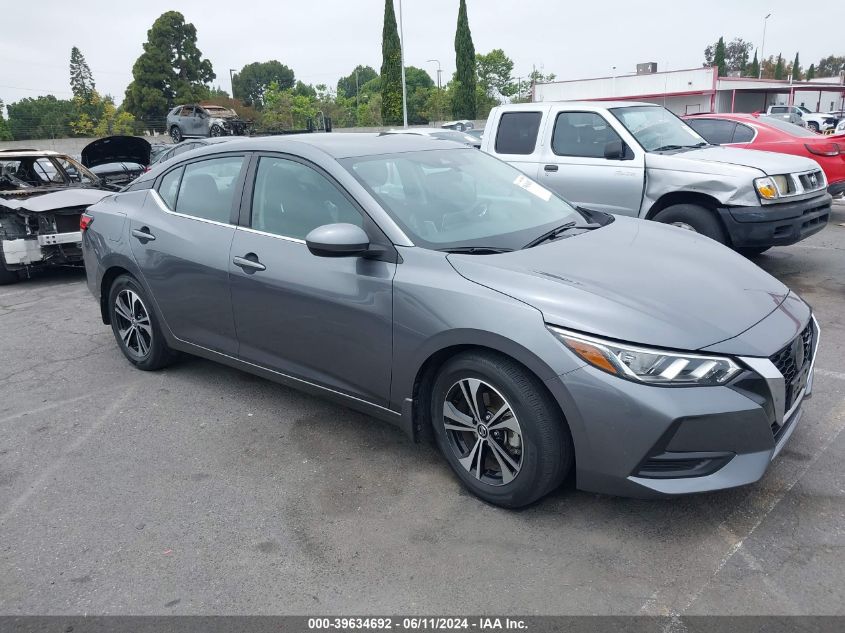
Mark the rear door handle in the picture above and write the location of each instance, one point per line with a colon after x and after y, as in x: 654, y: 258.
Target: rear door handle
x: 550, y: 168
x: 249, y: 263
x: 143, y: 235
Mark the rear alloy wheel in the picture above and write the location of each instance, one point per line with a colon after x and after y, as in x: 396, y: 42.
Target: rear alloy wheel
x: 176, y: 134
x: 693, y: 217
x: 499, y: 429
x: 135, y: 327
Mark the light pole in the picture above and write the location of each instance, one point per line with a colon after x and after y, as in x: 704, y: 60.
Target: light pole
x: 437, y: 61
x: 763, y: 46
x: 232, y: 80
x: 402, y: 61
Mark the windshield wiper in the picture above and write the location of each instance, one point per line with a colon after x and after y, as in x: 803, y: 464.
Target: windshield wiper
x: 667, y: 148
x: 563, y: 228
x: 476, y: 250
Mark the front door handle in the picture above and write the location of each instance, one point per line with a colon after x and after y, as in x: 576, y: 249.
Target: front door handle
x: 249, y: 263
x: 550, y: 168
x: 143, y: 235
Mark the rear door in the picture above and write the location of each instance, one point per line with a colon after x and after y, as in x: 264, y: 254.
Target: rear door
x: 573, y: 163
x: 324, y: 320
x: 181, y: 240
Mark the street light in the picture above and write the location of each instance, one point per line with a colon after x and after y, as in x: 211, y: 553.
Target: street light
x: 437, y: 61
x: 763, y: 46
x: 402, y: 61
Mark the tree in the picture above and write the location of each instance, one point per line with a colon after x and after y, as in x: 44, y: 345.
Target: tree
x: 811, y: 72
x: 40, y: 117
x: 253, y: 80
x: 796, y: 69
x: 171, y: 70
x: 734, y: 55
x: 391, y: 69
x: 719, y: 58
x: 350, y: 86
x: 419, y: 86
x: 463, y: 102
x: 494, y: 73
x: 81, y: 77
x: 754, y: 69
x: 830, y: 66
x: 779, y: 67
x: 5, y: 132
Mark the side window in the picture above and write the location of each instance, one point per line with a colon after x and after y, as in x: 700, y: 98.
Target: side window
x: 582, y: 134
x: 208, y: 188
x: 291, y: 199
x: 169, y: 187
x: 517, y: 133
x: 187, y: 111
x: 182, y: 148
x: 716, y: 131
x: 743, y: 133
x: 778, y: 109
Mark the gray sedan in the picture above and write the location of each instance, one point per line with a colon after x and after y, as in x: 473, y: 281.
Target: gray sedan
x: 440, y: 289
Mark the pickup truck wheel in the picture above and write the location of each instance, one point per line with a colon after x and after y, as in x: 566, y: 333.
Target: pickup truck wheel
x: 176, y: 134
x: 694, y: 218
x: 135, y: 326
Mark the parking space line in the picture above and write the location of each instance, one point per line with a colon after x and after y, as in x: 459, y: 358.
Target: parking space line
x: 46, y: 407
x: 38, y: 482
x: 830, y: 374
x: 652, y: 605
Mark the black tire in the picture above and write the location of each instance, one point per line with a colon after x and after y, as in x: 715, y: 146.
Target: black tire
x: 813, y: 126
x: 215, y: 131
x: 696, y: 218
x: 145, y: 347
x: 176, y: 134
x: 750, y: 251
x: 7, y: 276
x: 545, y: 452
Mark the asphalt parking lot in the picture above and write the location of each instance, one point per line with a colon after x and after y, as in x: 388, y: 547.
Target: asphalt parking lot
x: 202, y: 489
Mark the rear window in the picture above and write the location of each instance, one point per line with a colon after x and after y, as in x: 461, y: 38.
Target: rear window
x: 716, y: 131
x: 743, y: 134
x: 517, y: 133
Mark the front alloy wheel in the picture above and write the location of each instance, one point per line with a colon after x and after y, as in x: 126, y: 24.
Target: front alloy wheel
x: 483, y: 431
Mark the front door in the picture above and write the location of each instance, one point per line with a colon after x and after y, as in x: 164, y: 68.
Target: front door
x: 324, y: 320
x: 573, y: 163
x: 181, y: 243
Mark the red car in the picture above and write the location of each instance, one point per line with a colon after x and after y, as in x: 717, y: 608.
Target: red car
x: 773, y: 135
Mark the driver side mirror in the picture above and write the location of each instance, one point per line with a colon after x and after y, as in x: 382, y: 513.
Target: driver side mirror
x: 616, y: 150
x: 337, y: 240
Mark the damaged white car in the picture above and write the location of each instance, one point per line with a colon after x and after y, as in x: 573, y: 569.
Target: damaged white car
x: 42, y: 196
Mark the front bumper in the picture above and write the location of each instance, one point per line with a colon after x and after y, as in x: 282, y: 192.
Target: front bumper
x: 776, y: 224
x: 644, y: 441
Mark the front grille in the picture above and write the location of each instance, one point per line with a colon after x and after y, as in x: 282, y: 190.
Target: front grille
x: 791, y: 361
x: 812, y: 180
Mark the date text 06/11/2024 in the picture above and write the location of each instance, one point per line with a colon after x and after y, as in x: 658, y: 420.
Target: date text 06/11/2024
x: 417, y: 623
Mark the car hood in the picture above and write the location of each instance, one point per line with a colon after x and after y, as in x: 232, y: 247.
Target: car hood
x: 717, y: 156
x: 65, y: 198
x: 636, y: 281
x: 116, y: 149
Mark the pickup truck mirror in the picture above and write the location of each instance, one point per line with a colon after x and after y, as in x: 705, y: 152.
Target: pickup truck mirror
x: 615, y: 150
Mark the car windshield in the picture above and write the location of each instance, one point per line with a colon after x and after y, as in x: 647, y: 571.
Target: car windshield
x: 789, y: 128
x: 21, y: 172
x: 657, y: 129
x: 461, y: 198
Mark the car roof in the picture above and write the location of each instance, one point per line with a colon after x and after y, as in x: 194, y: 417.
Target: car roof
x: 598, y: 105
x: 342, y: 144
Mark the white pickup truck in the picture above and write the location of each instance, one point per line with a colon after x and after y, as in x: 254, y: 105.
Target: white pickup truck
x: 816, y: 121
x: 639, y: 159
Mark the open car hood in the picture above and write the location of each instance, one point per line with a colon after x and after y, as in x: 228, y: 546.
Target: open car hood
x: 116, y: 149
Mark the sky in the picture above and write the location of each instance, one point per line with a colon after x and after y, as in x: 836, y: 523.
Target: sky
x: 322, y: 41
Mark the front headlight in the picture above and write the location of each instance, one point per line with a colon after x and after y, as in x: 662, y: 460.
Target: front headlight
x: 766, y: 187
x: 651, y: 366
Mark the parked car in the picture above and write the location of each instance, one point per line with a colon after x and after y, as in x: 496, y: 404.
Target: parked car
x: 42, y: 196
x: 461, y: 126
x: 774, y: 135
x: 432, y: 286
x: 117, y: 160
x: 443, y: 135
x: 200, y: 121
x: 641, y: 160
x: 186, y: 146
x: 816, y: 121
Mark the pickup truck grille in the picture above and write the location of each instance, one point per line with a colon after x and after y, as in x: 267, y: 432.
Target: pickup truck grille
x: 811, y: 181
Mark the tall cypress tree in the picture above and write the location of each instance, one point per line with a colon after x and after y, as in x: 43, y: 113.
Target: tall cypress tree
x: 754, y: 69
x: 811, y: 72
x: 779, y: 67
x: 719, y: 58
x: 796, y: 69
x: 81, y: 77
x: 391, y: 69
x: 463, y: 101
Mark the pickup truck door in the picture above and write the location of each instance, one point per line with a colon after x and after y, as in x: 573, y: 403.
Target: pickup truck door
x: 573, y: 163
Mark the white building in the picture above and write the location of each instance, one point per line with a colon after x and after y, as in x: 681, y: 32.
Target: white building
x: 699, y: 90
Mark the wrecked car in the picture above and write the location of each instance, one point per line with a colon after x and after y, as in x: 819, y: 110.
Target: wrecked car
x: 42, y: 196
x: 117, y: 160
x: 195, y: 120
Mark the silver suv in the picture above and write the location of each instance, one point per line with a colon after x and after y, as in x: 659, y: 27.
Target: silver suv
x: 193, y: 121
